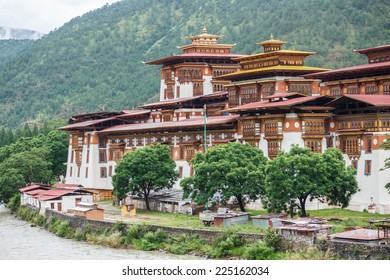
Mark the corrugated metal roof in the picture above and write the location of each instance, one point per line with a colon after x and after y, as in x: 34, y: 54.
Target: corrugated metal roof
x: 32, y: 187
x: 162, y: 126
x: 359, y: 234
x: 68, y: 186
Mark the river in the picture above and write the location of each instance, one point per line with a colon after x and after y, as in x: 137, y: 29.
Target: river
x: 20, y: 241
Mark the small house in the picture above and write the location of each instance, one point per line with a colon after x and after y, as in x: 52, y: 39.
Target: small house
x: 231, y: 219
x: 59, y: 199
x: 88, y: 211
x: 362, y: 235
x: 271, y: 220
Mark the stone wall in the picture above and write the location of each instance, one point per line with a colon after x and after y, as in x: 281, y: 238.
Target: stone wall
x: 359, y: 251
x: 79, y: 222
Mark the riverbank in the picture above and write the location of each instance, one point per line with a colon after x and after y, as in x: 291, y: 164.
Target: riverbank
x: 22, y: 241
x: 225, y: 245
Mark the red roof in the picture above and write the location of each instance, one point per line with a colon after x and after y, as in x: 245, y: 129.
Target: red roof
x: 68, y: 186
x: 267, y: 104
x: 374, y: 49
x: 168, y: 102
x: 193, y: 55
x: 306, y: 227
x: 359, y: 234
x: 89, y: 123
x: 54, y: 193
x: 178, y: 101
x: 375, y: 100
x: 32, y: 187
x: 368, y: 67
x: 284, y: 94
x: 163, y: 126
x: 36, y: 192
x: 85, y: 124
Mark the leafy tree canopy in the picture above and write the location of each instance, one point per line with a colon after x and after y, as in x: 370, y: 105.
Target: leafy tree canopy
x: 23, y: 169
x: 145, y: 170
x: 228, y: 170
x: 298, y: 175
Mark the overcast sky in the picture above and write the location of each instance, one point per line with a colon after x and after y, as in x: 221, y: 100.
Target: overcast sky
x: 44, y: 15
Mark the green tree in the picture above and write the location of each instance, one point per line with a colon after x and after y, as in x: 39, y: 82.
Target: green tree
x: 57, y: 142
x: 23, y: 169
x: 298, y: 175
x: 10, y: 182
x: 145, y: 170
x: 229, y: 170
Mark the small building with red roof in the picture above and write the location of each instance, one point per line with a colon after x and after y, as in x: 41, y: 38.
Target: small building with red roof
x: 58, y: 199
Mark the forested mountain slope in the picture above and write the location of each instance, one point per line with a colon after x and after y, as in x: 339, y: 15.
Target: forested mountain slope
x: 94, y: 62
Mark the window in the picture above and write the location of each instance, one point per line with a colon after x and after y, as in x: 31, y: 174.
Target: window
x: 87, y: 160
x: 386, y: 89
x: 315, y: 145
x: 78, y: 172
x: 86, y: 172
x: 177, y: 92
x: 77, y: 201
x: 180, y: 171
x: 102, y: 141
x: 369, y: 145
x: 103, y: 172
x: 102, y: 156
x: 52, y: 206
x: 72, y: 157
x: 71, y: 171
x: 354, y: 164
x: 88, y: 140
x: 110, y: 171
x: 59, y: 206
x: 371, y: 89
x: 367, y: 167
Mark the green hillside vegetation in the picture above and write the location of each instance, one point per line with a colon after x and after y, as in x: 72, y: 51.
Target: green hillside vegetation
x: 94, y: 62
x: 11, y: 48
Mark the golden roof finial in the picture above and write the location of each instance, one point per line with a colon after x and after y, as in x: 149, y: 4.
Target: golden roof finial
x: 271, y: 37
x: 204, y: 29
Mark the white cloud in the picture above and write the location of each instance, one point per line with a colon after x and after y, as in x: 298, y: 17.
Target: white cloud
x: 44, y: 15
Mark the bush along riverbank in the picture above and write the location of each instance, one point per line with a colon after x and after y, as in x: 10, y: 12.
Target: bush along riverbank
x: 227, y: 245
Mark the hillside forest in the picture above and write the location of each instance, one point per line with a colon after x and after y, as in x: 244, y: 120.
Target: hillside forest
x: 95, y: 61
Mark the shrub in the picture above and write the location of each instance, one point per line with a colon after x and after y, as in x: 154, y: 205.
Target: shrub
x: 39, y: 220
x: 225, y: 243
x: 151, y: 241
x: 14, y: 203
x: 120, y: 227
x: 260, y: 251
x: 183, y: 244
x: 272, y: 239
x: 63, y: 229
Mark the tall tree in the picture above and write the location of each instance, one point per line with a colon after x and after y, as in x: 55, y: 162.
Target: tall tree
x: 298, y: 175
x: 145, y: 170
x: 23, y: 169
x: 232, y: 170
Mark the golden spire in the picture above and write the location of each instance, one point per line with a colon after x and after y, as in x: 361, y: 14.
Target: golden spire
x: 271, y: 37
x: 204, y: 29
